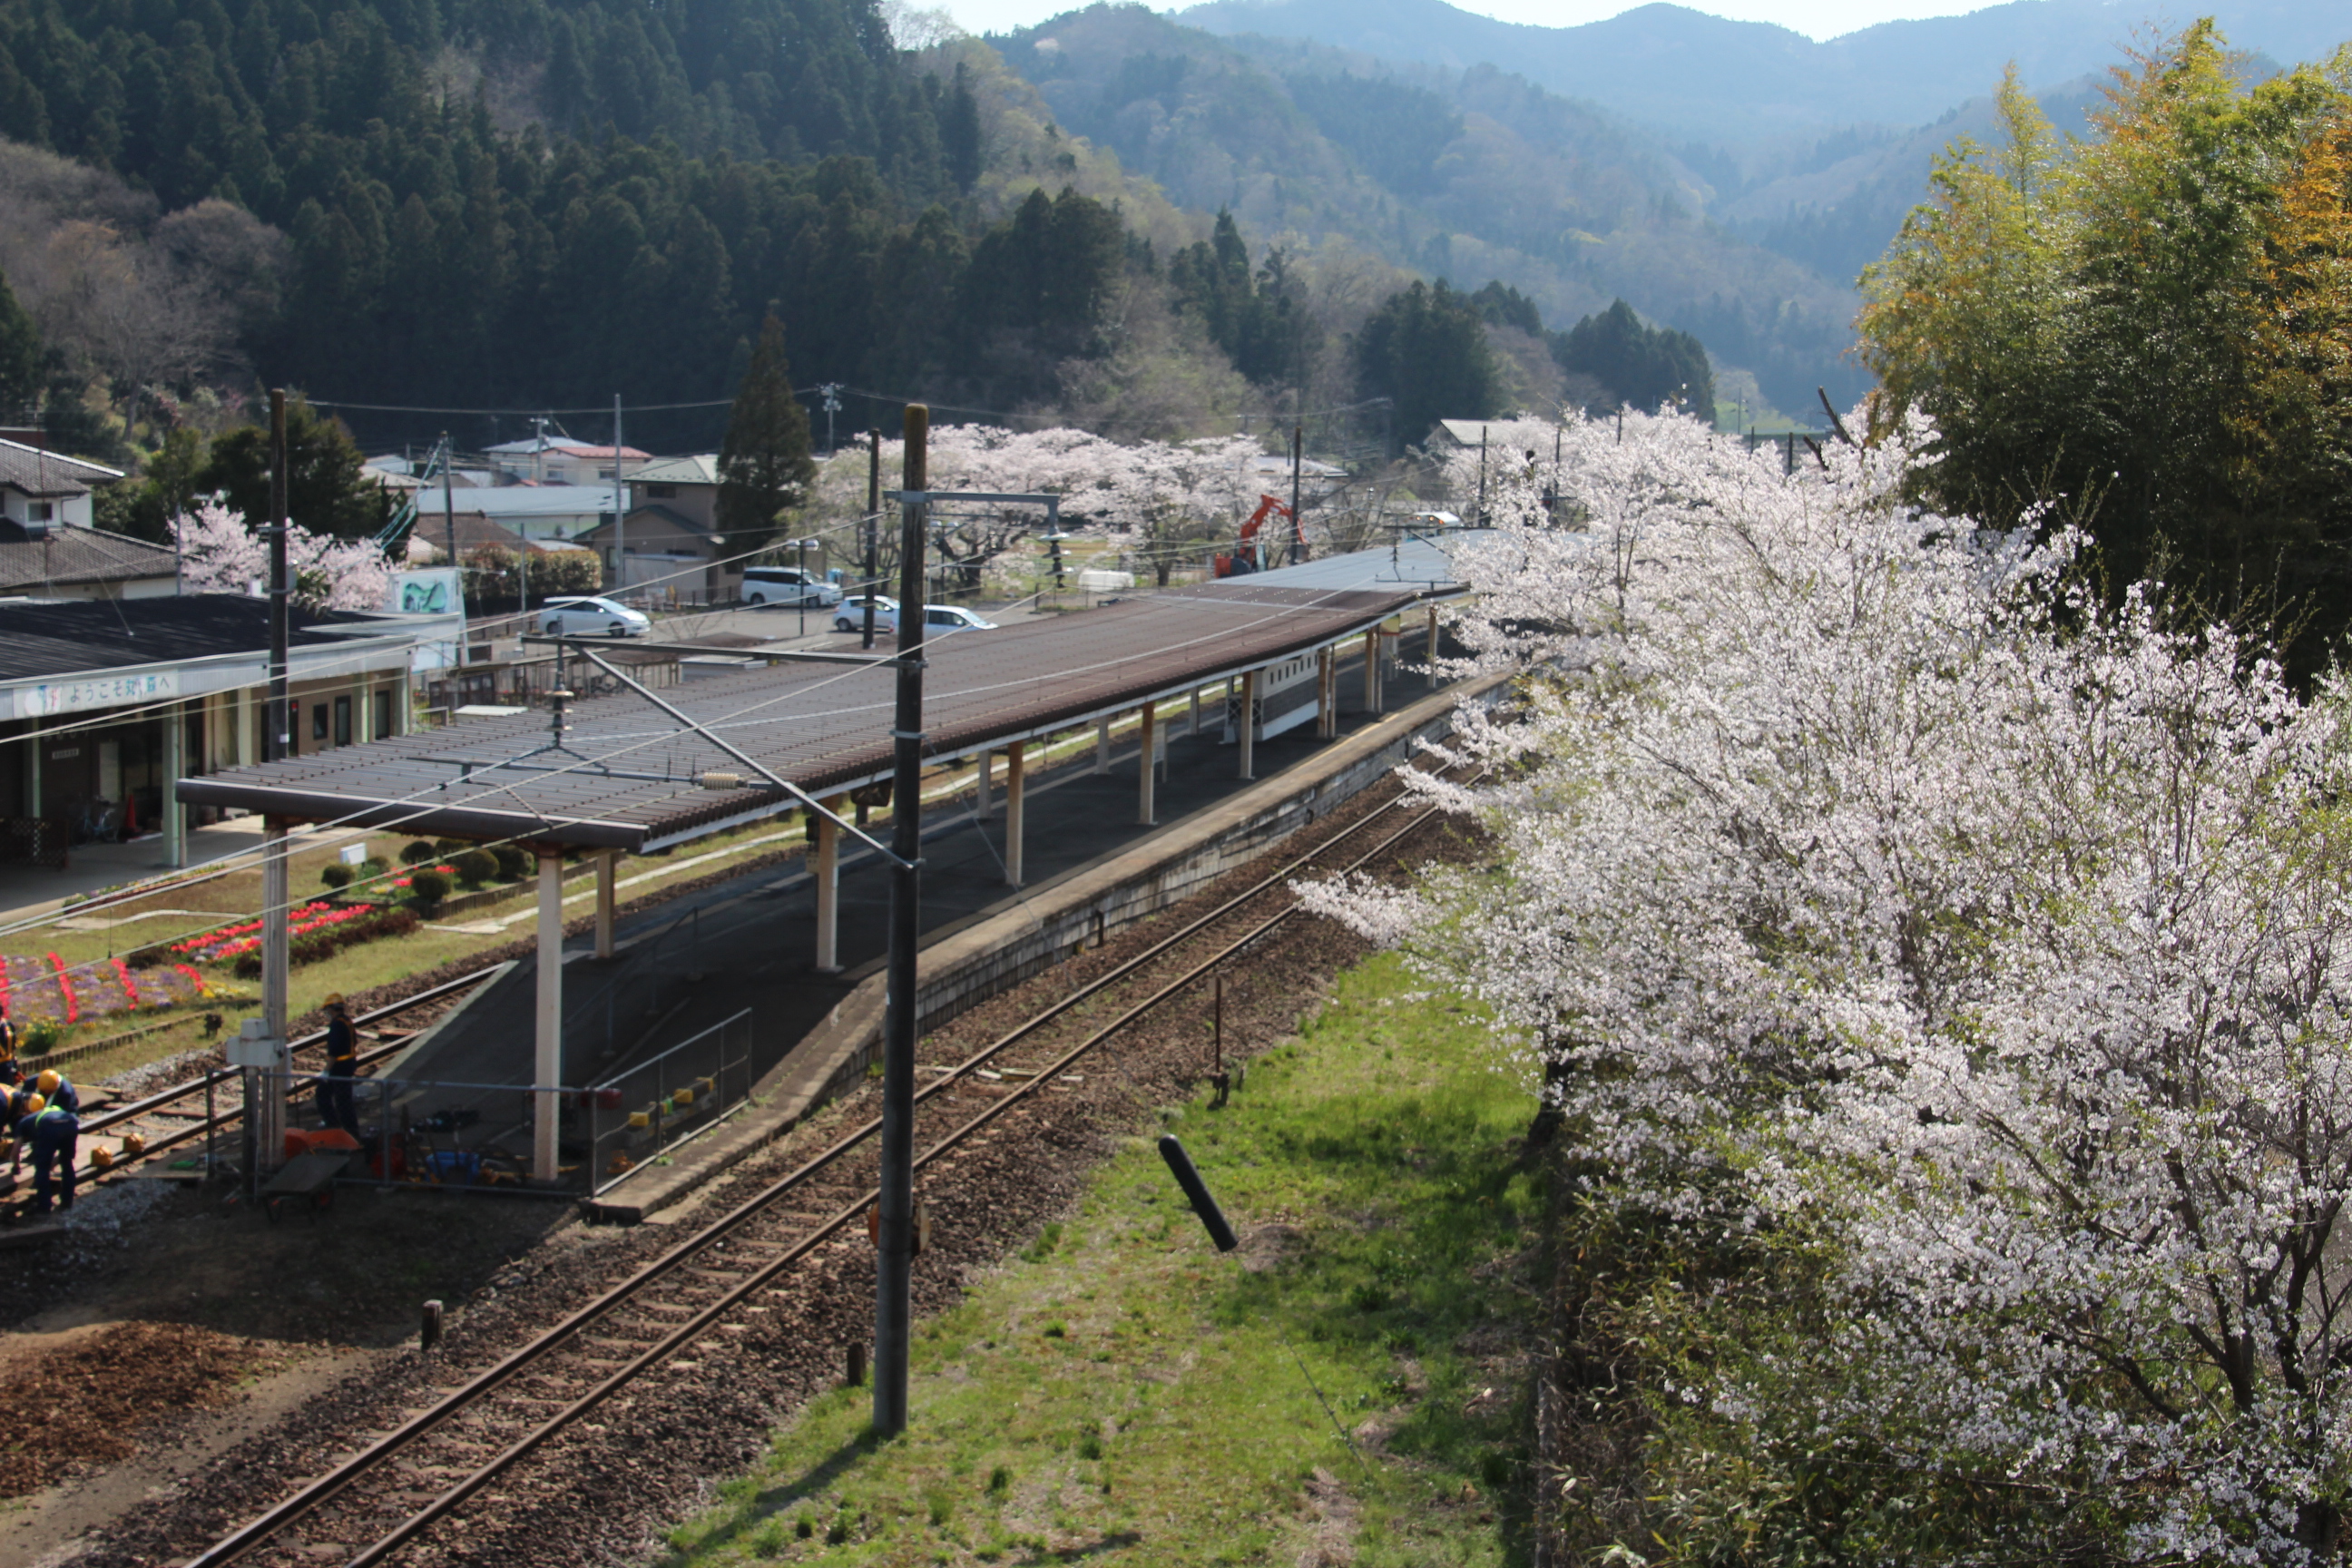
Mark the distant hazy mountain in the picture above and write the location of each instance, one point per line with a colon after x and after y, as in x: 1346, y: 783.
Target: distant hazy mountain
x: 1702, y: 77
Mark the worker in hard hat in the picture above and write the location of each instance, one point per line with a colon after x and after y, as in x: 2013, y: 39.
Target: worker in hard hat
x: 50, y: 1132
x: 10, y: 1073
x: 335, y: 1106
x: 58, y: 1090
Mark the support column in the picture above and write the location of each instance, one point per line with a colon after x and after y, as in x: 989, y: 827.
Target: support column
x: 1249, y: 725
x: 1228, y: 724
x: 980, y: 782
x: 1015, y: 800
x: 33, y: 768
x: 608, y: 869
x: 1327, y: 692
x: 1372, y: 671
x: 175, y: 762
x: 1147, y: 727
x: 1102, y: 746
x: 828, y: 863
x: 547, y: 1058
x: 1429, y: 647
x: 1192, y: 730
x: 404, y: 701
x: 270, y: 1115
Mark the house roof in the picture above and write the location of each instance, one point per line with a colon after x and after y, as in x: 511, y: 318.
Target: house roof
x: 538, y: 500
x: 563, y: 444
x: 74, y: 555
x: 700, y: 470
x: 474, y: 531
x: 86, y: 635
x: 651, y: 511
x: 49, y: 475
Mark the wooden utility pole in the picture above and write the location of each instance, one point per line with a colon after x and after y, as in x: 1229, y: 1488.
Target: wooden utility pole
x: 893, y: 1264
x: 1298, y: 529
x: 873, y: 526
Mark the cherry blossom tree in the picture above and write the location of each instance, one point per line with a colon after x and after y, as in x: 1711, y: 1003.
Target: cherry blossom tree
x: 220, y: 554
x: 1869, y: 898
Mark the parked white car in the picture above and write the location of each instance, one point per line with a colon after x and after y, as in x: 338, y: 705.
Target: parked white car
x: 851, y: 617
x: 588, y: 617
x: 940, y: 619
x: 788, y: 586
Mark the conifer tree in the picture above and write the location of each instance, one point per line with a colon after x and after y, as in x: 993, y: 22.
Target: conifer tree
x: 20, y: 355
x: 763, y: 464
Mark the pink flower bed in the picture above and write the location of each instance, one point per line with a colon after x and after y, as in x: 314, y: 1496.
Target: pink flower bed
x: 49, y: 987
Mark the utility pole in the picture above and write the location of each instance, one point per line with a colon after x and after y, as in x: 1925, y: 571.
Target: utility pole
x: 893, y: 1267
x: 620, y: 509
x: 278, y: 739
x: 873, y: 525
x: 450, y: 528
x: 265, y: 1102
x: 1482, y: 476
x: 1298, y: 529
x: 832, y: 406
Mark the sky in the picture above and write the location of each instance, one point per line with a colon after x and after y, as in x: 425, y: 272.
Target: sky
x: 1814, y: 18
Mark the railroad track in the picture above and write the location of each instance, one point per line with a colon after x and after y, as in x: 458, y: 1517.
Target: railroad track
x: 393, y: 1492
x: 170, y: 1118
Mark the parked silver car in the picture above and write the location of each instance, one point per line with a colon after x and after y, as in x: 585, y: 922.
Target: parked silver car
x: 788, y: 586
x: 587, y: 616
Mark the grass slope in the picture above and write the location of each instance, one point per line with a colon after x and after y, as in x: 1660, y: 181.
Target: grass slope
x: 1121, y: 1394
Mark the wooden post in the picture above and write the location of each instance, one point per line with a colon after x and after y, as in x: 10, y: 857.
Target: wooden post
x: 1249, y: 725
x: 1192, y: 729
x: 547, y: 1058
x: 1015, y: 800
x: 828, y: 890
x: 608, y: 867
x: 1147, y: 727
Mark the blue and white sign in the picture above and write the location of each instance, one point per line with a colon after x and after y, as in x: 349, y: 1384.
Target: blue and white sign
x: 98, y: 691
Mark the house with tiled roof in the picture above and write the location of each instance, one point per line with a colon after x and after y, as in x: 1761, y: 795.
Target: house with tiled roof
x: 48, y: 489
x: 42, y: 563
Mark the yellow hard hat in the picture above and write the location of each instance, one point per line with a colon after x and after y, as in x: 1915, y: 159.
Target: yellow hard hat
x: 334, y: 999
x: 48, y: 1082
x: 34, y: 1105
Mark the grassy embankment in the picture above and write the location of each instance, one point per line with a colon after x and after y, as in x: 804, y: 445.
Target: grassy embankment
x: 1119, y: 1393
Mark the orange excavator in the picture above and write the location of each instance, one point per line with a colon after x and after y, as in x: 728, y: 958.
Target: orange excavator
x: 1248, y: 555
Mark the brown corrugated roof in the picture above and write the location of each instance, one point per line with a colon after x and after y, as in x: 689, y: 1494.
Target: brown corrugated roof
x: 626, y: 776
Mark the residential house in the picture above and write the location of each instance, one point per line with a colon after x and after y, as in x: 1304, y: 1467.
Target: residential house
x: 41, y: 488
x: 42, y: 563
x: 544, y: 459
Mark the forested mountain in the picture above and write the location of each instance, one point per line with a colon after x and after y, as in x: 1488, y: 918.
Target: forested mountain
x: 1469, y: 176
x: 1688, y: 75
x: 512, y: 202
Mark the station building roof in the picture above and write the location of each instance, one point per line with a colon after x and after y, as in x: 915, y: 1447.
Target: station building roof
x: 625, y: 775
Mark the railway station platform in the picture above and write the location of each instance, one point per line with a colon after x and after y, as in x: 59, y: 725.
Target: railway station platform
x: 1214, y: 684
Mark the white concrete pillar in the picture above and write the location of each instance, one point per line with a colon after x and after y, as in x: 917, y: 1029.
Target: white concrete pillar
x: 1016, y: 801
x: 1147, y: 727
x: 1249, y: 725
x: 826, y: 863
x: 608, y: 875
x: 980, y: 784
x: 270, y: 1116
x: 547, y: 1058
x: 175, y: 762
x: 1228, y: 724
x: 1372, y: 671
x: 1102, y: 746
x: 1327, y: 692
x: 33, y: 744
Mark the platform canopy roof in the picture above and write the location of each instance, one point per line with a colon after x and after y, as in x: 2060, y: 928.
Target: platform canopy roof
x: 625, y: 775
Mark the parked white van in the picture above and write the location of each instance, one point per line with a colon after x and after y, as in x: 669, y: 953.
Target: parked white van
x: 787, y: 585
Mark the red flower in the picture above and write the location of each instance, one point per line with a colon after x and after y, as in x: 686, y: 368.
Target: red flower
x: 66, y: 990
x: 130, y: 986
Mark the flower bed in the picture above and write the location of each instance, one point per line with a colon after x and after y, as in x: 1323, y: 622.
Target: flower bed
x: 231, y: 942
x: 47, y: 988
x: 327, y: 937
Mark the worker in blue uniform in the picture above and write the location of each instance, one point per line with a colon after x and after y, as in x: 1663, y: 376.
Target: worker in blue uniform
x: 335, y: 1105
x: 50, y: 1132
x: 58, y: 1090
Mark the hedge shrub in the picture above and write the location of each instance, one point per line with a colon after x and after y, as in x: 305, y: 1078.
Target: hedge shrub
x: 428, y: 886
x: 336, y: 874
x: 475, y: 867
x: 418, y: 853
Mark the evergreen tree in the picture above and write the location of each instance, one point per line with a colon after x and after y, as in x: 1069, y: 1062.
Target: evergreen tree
x: 765, y: 464
x: 960, y: 131
x: 1640, y: 367
x: 1426, y: 349
x: 20, y: 356
x: 325, y: 492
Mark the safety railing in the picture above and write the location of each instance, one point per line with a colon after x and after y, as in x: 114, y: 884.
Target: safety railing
x: 638, y: 1113
x: 434, y: 1132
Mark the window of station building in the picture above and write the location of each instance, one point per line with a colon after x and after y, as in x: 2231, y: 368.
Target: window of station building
x: 382, y: 715
x: 343, y: 720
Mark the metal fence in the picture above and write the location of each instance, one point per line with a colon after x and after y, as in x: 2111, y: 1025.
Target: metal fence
x: 634, y: 1116
x: 432, y: 1132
